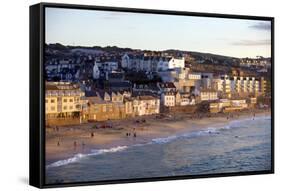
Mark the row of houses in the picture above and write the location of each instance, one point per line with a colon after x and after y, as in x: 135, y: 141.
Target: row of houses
x: 258, y: 62
x: 63, y: 99
x: 230, y: 105
x: 226, y: 86
x: 151, y: 63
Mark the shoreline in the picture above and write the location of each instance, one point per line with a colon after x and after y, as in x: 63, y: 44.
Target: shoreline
x: 145, y: 132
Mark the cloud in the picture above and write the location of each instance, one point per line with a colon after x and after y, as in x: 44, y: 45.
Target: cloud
x: 252, y: 42
x: 262, y: 26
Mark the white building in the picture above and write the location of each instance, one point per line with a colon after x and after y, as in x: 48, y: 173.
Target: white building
x: 237, y: 85
x: 168, y: 99
x: 194, y: 76
x: 245, y: 85
x: 63, y: 99
x: 146, y: 105
x: 151, y: 63
x: 222, y: 84
x: 208, y: 95
x: 170, y: 63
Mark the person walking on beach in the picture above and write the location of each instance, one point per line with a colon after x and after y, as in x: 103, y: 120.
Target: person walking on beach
x: 58, y: 143
x: 135, y: 134
x: 92, y: 134
x: 75, y: 144
x: 83, y: 145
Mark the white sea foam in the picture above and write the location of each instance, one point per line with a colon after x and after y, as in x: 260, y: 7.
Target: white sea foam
x: 207, y: 131
x: 164, y: 139
x: 111, y: 150
x: 79, y: 156
x: 73, y: 159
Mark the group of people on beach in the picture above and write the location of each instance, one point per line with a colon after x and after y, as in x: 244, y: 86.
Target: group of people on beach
x: 128, y: 134
x: 75, y: 142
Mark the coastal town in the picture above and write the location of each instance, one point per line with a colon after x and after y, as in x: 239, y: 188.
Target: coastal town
x: 87, y: 85
x: 139, y: 95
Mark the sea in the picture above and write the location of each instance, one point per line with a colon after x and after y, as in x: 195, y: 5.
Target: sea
x: 240, y: 146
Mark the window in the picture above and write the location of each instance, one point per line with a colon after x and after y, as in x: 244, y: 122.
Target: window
x: 70, y: 107
x: 52, y: 101
x: 65, y: 107
x: 53, y: 108
x: 64, y: 100
x: 70, y: 100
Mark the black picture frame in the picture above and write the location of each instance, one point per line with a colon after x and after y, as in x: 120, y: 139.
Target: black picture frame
x: 37, y: 88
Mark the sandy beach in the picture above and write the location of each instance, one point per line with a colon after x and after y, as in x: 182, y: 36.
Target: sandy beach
x: 63, y: 142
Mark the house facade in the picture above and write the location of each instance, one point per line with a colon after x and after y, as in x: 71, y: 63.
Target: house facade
x: 101, y: 110
x: 63, y: 99
x: 151, y: 63
x: 168, y: 99
x: 146, y: 105
x: 208, y: 95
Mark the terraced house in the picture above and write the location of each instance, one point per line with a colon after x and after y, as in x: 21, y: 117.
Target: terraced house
x: 104, y: 106
x: 146, y: 105
x: 63, y: 100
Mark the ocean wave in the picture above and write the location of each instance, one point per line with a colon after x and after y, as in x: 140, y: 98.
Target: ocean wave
x: 80, y: 156
x: 163, y: 140
x: 207, y: 131
x: 67, y: 161
x: 111, y: 150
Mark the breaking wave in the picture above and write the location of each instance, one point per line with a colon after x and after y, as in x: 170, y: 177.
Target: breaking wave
x: 79, y: 156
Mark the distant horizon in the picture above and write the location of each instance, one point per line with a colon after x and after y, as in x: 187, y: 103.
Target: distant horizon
x: 156, y: 50
x: 237, y: 38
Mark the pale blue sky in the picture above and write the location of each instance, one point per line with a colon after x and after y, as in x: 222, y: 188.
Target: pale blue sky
x: 232, y: 37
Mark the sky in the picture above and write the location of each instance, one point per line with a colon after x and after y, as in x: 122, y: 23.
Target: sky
x: 231, y: 37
